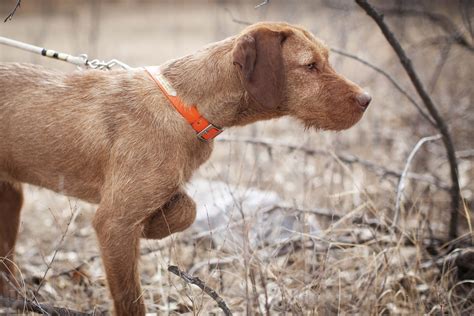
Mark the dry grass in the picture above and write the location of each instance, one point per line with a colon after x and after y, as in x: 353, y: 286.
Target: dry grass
x: 320, y: 240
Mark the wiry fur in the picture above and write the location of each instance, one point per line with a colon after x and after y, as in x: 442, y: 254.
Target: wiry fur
x: 112, y: 138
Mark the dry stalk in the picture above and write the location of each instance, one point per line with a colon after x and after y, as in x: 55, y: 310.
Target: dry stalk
x: 401, y: 182
x: 25, y: 304
x: 56, y: 250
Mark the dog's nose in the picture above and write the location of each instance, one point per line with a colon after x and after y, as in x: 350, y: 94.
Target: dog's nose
x: 364, y: 99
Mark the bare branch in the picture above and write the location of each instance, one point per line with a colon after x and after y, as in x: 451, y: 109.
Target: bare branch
x: 430, y: 106
x: 262, y: 4
x: 401, y: 182
x: 12, y: 13
x: 196, y: 281
x: 466, y: 8
x: 390, y: 78
x: 465, y: 154
x: 439, y: 19
x: 346, y: 158
x: 235, y: 20
x: 439, y: 67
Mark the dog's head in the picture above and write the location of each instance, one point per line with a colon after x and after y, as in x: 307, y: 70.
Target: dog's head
x: 285, y: 68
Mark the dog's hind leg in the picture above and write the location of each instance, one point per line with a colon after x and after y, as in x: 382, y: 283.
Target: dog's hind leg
x: 11, y: 200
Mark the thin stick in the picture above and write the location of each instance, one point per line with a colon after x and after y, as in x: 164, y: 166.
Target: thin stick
x: 432, y: 109
x: 10, y: 16
x: 441, y: 20
x: 390, y: 78
x: 262, y: 4
x: 196, y: 281
x: 56, y: 250
x: 465, y: 154
x: 401, y: 182
x: 235, y: 20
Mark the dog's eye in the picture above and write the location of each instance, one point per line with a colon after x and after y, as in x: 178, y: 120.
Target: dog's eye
x: 311, y: 67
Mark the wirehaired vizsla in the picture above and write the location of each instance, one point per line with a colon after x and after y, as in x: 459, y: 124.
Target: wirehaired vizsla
x: 129, y: 140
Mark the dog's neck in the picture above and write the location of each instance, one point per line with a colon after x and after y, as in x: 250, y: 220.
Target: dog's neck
x: 209, y: 80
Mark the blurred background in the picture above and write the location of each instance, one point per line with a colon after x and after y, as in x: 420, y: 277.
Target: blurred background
x: 290, y: 220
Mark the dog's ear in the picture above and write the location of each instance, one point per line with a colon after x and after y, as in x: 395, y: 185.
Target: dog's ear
x: 259, y: 61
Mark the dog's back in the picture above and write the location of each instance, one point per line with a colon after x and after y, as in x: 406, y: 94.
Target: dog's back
x: 42, y: 110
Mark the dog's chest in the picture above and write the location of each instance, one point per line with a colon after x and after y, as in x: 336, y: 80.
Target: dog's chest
x: 197, y: 154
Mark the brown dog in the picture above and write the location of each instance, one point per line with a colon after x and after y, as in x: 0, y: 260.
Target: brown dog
x: 114, y: 139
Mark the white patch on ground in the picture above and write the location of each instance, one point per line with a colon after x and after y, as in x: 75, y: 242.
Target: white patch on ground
x: 230, y: 212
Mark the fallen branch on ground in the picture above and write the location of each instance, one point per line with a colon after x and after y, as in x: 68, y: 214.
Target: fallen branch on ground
x: 196, y: 281
x: 43, y: 309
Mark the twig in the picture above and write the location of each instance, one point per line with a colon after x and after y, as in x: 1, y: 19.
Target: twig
x: 235, y: 20
x: 465, y: 154
x: 430, y: 106
x: 34, y: 306
x: 465, y: 7
x: 439, y: 67
x: 10, y: 16
x: 196, y: 281
x: 443, y: 21
x: 346, y: 158
x: 43, y: 309
x: 401, y: 182
x: 11, y: 285
x: 390, y: 78
x: 262, y: 4
x: 48, y: 266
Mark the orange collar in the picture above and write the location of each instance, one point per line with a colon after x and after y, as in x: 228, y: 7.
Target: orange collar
x: 204, y: 130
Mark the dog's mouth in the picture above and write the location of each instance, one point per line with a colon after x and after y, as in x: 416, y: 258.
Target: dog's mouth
x: 354, y: 114
x: 335, y: 121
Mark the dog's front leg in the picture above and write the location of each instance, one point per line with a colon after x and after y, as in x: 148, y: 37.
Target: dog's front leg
x: 175, y: 216
x: 119, y: 246
x: 127, y: 201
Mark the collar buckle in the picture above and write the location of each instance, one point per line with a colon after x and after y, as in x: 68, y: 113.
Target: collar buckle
x: 209, y: 132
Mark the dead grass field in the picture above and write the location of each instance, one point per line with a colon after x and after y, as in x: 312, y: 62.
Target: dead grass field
x: 283, y: 229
